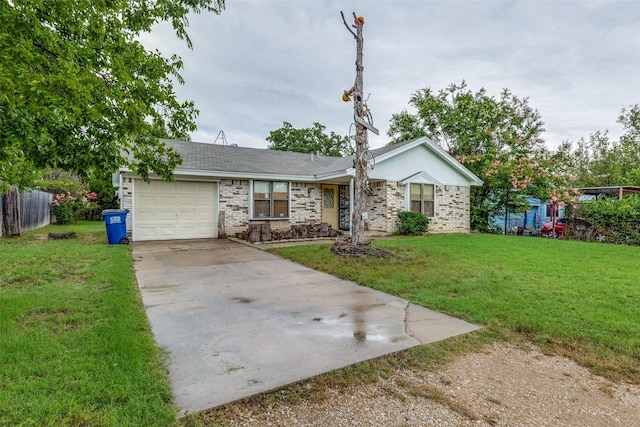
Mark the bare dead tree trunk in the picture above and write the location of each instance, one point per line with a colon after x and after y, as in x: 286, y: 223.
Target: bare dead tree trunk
x: 362, y: 143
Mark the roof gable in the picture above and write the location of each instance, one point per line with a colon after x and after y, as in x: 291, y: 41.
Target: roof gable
x: 396, y: 150
x: 421, y: 178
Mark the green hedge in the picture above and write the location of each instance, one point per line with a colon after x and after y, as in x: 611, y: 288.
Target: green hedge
x: 617, y: 220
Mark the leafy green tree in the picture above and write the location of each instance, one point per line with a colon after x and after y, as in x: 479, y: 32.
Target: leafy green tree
x: 16, y: 170
x: 309, y: 140
x: 601, y: 161
x: 497, y: 139
x: 629, y: 147
x: 630, y: 120
x: 79, y: 92
x: 595, y: 161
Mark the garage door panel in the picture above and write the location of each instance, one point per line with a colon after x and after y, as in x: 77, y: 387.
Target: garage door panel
x: 187, y: 216
x: 175, y: 210
x: 188, y: 186
x: 145, y: 217
x: 166, y: 216
x: 187, y: 199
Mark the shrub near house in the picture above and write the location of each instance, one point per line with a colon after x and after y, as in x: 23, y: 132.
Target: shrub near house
x: 412, y: 223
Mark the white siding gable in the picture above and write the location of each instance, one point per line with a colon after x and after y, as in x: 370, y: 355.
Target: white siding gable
x: 419, y: 158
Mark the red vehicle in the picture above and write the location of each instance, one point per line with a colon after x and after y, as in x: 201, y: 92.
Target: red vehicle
x: 561, y: 226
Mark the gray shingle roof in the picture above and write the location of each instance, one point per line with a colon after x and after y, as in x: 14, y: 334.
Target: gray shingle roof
x: 225, y: 158
x: 387, y: 148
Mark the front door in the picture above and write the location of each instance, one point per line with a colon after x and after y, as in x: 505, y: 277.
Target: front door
x: 330, y: 205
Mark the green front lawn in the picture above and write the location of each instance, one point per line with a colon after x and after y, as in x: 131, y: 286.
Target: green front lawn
x: 75, y: 344
x: 573, y: 298
x: 76, y: 347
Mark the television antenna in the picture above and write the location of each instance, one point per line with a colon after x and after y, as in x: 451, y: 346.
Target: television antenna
x: 221, y: 137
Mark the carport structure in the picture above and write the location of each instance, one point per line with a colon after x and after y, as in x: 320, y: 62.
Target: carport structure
x: 618, y: 191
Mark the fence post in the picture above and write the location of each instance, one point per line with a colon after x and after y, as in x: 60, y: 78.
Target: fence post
x: 11, y: 213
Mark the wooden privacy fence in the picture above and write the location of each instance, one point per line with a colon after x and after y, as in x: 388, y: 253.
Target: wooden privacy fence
x: 22, y: 212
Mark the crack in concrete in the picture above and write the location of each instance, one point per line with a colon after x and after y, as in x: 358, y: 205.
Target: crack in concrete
x: 406, y: 324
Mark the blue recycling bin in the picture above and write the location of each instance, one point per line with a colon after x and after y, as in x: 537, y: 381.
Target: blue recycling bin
x: 116, y: 223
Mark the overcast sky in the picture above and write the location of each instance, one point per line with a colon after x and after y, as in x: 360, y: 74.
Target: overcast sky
x: 262, y: 62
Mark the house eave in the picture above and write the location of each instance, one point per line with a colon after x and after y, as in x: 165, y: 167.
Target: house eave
x: 201, y: 173
x: 335, y: 175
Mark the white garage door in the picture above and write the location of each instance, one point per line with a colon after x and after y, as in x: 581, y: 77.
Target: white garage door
x: 174, y: 210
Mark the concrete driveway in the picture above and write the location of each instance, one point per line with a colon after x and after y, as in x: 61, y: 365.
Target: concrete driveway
x: 237, y: 321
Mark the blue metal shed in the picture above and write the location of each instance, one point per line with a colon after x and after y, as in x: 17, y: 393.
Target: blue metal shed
x: 531, y: 220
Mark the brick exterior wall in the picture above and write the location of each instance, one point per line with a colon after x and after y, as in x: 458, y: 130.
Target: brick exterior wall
x: 388, y: 198
x: 382, y: 206
x: 126, y: 202
x: 453, y: 210
x: 376, y: 208
x: 306, y: 203
x: 234, y: 201
x: 395, y: 204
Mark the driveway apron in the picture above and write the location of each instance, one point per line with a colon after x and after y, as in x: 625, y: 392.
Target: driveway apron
x: 237, y: 321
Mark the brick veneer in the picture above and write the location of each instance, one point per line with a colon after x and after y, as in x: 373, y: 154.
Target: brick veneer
x: 382, y: 206
x: 127, y: 201
x: 234, y: 201
x: 453, y: 210
x: 387, y: 199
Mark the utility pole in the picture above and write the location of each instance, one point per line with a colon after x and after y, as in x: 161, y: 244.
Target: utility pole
x: 362, y: 120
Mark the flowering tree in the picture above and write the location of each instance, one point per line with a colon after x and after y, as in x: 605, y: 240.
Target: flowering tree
x: 73, y: 197
x: 63, y: 207
x: 497, y: 139
x: 68, y: 207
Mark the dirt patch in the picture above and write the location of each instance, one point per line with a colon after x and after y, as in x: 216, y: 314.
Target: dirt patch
x: 92, y: 238
x: 506, y: 385
x: 344, y: 247
x: 30, y: 281
x: 54, y: 320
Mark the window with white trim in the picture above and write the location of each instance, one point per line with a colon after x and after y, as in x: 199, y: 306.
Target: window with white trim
x: 270, y: 199
x: 422, y: 199
x: 548, y: 210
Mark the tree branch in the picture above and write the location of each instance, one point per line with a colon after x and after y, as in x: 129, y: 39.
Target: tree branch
x: 347, y: 25
x: 45, y: 50
x: 105, y: 78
